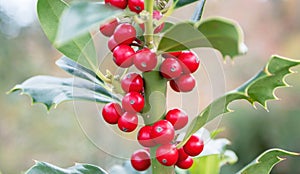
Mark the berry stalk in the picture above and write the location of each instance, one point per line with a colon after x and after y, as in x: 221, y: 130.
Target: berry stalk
x: 149, y: 24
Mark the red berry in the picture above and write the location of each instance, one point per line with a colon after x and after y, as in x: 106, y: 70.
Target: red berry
x: 144, y: 137
x: 185, y: 164
x: 123, y: 56
x: 111, y: 113
x: 133, y: 102
x: 112, y: 44
x: 167, y: 154
x: 132, y: 82
x: 189, y: 61
x: 171, y: 54
x: 170, y: 68
x: 178, y: 118
x: 184, y: 83
x: 140, y: 160
x: 125, y: 34
x: 145, y: 60
x: 181, y: 154
x: 194, y: 146
x: 136, y: 5
x: 108, y: 28
x: 117, y: 3
x: 162, y: 132
x: 156, y: 15
x: 128, y: 122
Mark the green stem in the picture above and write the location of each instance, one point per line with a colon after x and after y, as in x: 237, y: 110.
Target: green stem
x: 155, y: 108
x: 155, y: 97
x: 149, y: 24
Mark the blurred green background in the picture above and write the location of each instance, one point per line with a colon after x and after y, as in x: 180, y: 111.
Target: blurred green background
x: 29, y: 133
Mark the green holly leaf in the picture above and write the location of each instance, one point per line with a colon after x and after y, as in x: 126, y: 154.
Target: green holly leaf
x: 81, y: 49
x: 266, y: 161
x: 198, y: 11
x: 218, y: 33
x: 181, y: 3
x: 206, y: 165
x: 82, y: 16
x: 46, y: 168
x: 53, y: 90
x: 259, y: 89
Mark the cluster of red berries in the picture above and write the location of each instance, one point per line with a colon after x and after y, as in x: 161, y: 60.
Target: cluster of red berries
x: 133, y: 102
x: 134, y: 5
x: 122, y: 38
x: 178, y: 68
x: 162, y: 134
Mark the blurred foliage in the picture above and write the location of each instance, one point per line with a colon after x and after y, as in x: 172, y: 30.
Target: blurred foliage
x: 28, y: 133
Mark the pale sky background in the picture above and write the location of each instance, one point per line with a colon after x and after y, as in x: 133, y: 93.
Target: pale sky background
x: 17, y: 14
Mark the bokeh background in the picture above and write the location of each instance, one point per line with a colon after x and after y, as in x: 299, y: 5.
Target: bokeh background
x: 28, y: 132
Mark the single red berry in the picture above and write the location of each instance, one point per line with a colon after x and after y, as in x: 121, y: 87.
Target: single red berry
x: 122, y: 4
x: 171, y: 54
x: 189, y: 61
x: 194, y: 146
x: 156, y: 15
x: 162, y: 132
x: 144, y: 137
x: 185, y: 164
x: 145, y: 60
x: 140, y: 160
x: 184, y: 83
x: 178, y: 118
x: 125, y: 34
x: 133, y: 102
x: 123, y: 56
x: 181, y: 154
x: 111, y: 113
x: 136, y: 5
x: 128, y: 122
x: 170, y: 68
x: 108, y: 28
x: 112, y: 44
x: 167, y: 154
x: 132, y: 82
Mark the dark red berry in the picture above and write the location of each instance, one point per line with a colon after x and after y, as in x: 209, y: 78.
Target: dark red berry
x: 189, y: 61
x: 184, y: 83
x: 117, y: 3
x: 178, y: 118
x: 144, y: 137
x: 157, y: 15
x: 171, y: 54
x: 128, y: 122
x: 167, y: 154
x: 194, y: 146
x: 133, y: 102
x: 145, y: 60
x: 123, y: 56
x: 112, y: 44
x: 111, y: 113
x: 140, y: 160
x: 136, y: 5
x: 132, y: 82
x: 170, y: 68
x: 185, y: 164
x: 125, y: 34
x: 107, y: 29
x: 162, y: 132
x: 181, y: 154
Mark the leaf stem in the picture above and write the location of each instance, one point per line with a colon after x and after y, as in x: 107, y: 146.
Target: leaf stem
x: 149, y: 24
